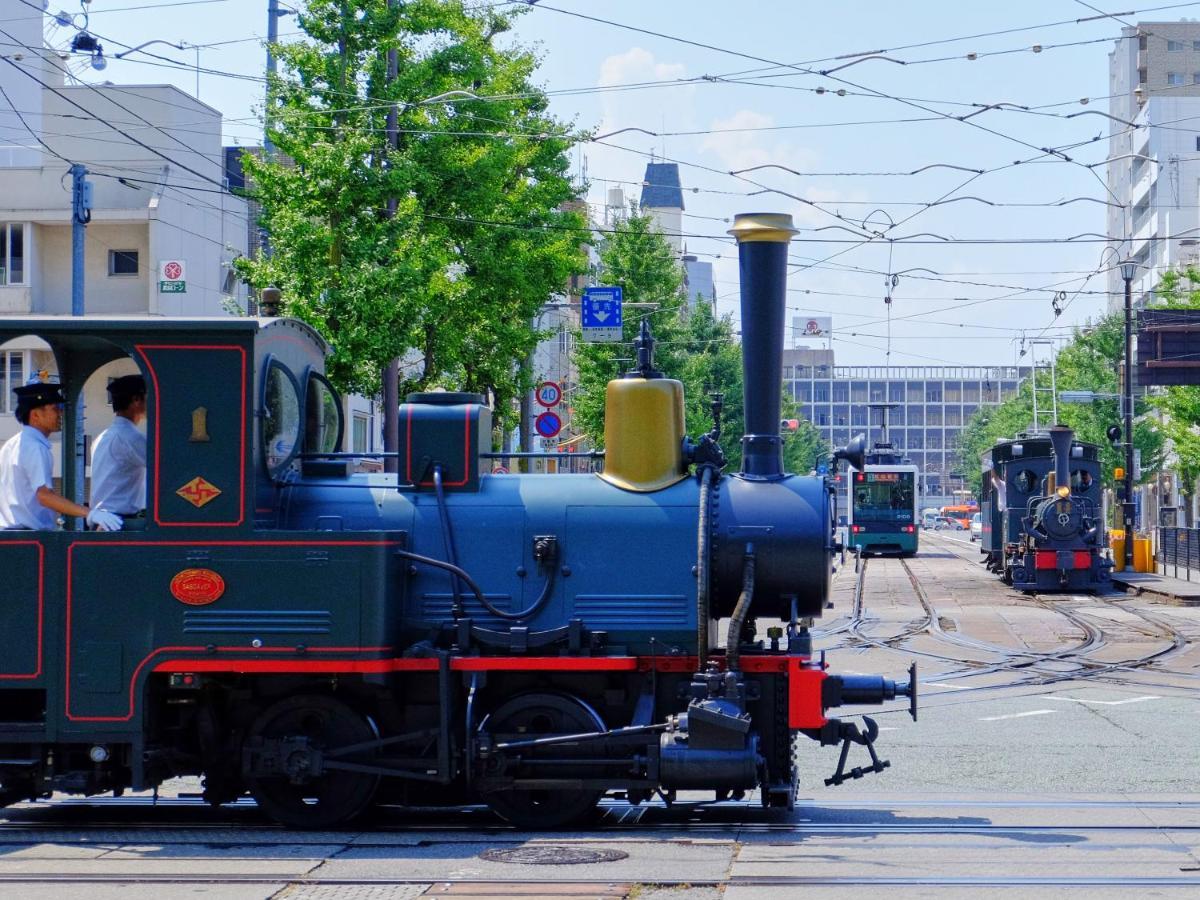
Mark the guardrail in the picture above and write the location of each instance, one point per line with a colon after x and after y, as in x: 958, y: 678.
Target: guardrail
x: 1178, y: 548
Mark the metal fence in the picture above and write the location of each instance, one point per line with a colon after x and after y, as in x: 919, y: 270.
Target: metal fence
x: 1179, y: 548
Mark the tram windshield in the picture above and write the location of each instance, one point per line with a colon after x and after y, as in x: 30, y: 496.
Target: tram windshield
x: 883, y: 497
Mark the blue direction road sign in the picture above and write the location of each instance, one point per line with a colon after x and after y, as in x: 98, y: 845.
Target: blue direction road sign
x: 548, y: 424
x: 601, y: 313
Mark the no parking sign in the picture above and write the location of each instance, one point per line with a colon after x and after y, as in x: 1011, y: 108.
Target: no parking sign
x: 548, y: 424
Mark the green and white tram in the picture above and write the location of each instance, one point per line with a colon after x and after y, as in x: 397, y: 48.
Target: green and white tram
x: 883, y: 503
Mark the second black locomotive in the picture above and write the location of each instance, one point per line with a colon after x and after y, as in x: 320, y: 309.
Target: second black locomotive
x: 1043, y: 523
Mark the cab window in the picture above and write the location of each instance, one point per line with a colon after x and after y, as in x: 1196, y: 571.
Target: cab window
x: 322, y: 416
x: 281, y: 417
x: 1026, y: 481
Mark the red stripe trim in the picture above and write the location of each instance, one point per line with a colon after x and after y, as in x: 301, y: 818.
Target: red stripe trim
x: 759, y: 665
x: 41, y: 609
x: 241, y: 507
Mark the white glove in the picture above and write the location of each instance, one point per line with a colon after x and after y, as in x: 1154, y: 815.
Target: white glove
x: 103, y: 520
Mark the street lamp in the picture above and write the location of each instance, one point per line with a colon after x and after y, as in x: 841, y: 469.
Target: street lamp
x: 1128, y: 268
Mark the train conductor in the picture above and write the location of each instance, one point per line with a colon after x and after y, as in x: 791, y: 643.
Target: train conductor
x: 27, y: 495
x: 119, y: 453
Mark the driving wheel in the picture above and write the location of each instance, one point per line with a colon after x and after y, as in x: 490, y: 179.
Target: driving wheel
x: 541, y: 715
x: 310, y: 726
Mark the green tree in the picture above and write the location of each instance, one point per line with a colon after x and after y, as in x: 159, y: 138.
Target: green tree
x: 479, y: 238
x: 1089, y: 362
x: 692, y: 345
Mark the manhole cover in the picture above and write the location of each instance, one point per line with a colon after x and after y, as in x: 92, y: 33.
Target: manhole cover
x: 552, y: 855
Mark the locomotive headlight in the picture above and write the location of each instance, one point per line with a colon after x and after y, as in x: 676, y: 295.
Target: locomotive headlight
x: 1064, y: 492
x: 98, y: 753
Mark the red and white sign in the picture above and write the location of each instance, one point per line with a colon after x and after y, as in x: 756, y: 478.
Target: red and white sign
x: 548, y: 393
x: 172, y: 270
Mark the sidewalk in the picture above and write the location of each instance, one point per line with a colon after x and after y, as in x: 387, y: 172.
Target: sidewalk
x: 1174, y: 591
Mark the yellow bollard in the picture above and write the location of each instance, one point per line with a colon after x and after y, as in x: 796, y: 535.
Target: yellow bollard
x: 1143, y: 554
x: 1116, y: 543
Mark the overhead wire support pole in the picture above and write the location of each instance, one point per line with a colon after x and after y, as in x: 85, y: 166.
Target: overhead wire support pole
x: 1127, y: 507
x: 81, y: 214
x: 391, y: 372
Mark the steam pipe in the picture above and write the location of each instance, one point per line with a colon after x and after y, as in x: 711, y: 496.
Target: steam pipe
x: 762, y: 266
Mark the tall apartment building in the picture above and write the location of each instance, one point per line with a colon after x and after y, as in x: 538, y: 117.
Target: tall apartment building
x: 1154, y: 166
x: 927, y: 407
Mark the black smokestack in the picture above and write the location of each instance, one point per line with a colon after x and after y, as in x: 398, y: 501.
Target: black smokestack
x: 762, y: 265
x: 1060, y: 439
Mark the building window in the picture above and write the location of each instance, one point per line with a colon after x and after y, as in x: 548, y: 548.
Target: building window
x: 14, y: 368
x: 122, y: 262
x: 1174, y: 78
x: 933, y: 392
x: 359, y: 436
x: 12, y: 254
x: 1174, y: 46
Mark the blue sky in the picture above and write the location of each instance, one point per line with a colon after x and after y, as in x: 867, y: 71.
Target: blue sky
x: 717, y: 111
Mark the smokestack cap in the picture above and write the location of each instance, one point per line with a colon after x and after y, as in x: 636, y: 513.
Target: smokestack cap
x: 774, y: 227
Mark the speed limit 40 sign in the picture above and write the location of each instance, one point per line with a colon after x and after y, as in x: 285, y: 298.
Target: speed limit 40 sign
x: 548, y: 393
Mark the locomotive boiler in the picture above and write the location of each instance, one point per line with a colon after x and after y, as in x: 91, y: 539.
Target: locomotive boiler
x: 325, y: 640
x: 1041, y: 509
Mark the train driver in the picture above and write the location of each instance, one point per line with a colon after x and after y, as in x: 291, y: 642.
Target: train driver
x: 119, y: 453
x: 27, y: 495
x: 1081, y: 482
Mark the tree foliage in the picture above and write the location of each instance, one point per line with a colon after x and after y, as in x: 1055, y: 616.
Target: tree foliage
x: 442, y: 282
x: 692, y: 345
x: 1088, y: 363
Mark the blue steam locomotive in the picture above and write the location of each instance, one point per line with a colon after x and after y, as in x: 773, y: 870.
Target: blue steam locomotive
x: 1043, y: 527
x: 324, y: 640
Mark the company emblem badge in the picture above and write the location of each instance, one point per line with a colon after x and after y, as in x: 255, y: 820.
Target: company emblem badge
x: 199, y: 492
x: 197, y: 587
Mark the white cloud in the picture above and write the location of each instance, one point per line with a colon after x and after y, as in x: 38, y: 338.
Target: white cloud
x: 634, y: 65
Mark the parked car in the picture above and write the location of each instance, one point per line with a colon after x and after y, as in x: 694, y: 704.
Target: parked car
x: 976, y: 526
x: 945, y: 523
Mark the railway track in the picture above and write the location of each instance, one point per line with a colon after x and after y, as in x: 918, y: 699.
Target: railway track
x: 1035, y: 667
x: 739, y: 839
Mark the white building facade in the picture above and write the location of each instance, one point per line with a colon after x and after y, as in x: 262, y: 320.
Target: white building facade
x: 1153, y: 174
x: 156, y: 167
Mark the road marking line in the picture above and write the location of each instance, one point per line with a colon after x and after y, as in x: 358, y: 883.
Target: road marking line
x: 942, y: 684
x: 1108, y: 702
x: 1032, y: 712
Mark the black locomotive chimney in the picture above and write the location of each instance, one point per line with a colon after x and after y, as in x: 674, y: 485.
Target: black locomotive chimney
x: 1060, y: 439
x: 762, y: 269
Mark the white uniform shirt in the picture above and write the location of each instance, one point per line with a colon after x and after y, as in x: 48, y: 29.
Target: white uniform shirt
x: 25, y: 466
x: 119, y: 469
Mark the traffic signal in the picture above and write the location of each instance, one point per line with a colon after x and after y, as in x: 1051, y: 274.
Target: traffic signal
x: 1114, y: 433
x: 789, y: 426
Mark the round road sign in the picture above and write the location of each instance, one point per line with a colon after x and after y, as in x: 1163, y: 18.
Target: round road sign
x: 548, y: 424
x: 548, y: 393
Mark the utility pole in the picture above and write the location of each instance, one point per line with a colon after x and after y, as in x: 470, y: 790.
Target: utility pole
x: 391, y: 373
x: 1127, y: 272
x: 81, y: 214
x: 273, y: 14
